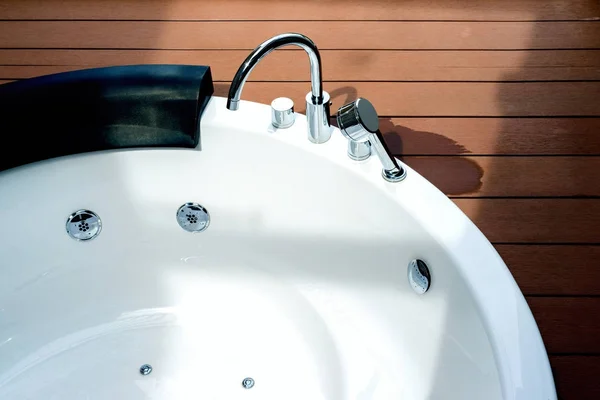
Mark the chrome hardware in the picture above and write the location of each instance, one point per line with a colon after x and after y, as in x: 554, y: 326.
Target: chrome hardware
x: 317, y: 101
x: 359, y: 151
x: 193, y: 217
x: 282, y: 113
x: 419, y: 276
x: 83, y: 225
x: 358, y: 121
x: 248, y: 383
x: 146, y: 369
x: 317, y: 118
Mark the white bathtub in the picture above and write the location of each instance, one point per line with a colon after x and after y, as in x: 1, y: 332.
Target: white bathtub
x: 300, y: 281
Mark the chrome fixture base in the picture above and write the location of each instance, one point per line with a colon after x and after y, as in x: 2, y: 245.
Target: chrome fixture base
x: 419, y: 276
x: 359, y: 151
x: 393, y: 175
x: 358, y: 121
x: 282, y: 113
x: 83, y: 225
x: 317, y: 103
x: 317, y: 118
x: 192, y: 217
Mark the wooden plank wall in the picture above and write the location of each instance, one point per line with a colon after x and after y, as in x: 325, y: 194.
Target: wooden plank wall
x: 496, y: 102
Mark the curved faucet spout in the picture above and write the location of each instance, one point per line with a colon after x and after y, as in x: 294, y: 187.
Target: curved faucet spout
x: 317, y: 101
x: 285, y: 39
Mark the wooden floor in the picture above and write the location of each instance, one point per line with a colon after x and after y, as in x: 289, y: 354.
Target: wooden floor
x: 496, y: 102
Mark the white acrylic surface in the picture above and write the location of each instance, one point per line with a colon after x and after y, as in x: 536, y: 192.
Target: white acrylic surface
x: 299, y: 282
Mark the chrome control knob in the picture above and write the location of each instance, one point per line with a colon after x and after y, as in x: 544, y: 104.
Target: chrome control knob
x: 282, y: 112
x: 358, y: 121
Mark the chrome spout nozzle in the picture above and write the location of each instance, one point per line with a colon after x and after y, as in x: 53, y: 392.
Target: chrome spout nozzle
x: 233, y: 104
x: 285, y: 39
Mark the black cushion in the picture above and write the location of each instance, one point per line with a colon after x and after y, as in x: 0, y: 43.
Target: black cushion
x: 101, y: 109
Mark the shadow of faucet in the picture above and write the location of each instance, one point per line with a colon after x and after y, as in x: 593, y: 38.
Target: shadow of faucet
x: 349, y: 92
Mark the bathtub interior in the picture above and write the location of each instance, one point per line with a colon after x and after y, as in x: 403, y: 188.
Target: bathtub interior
x: 300, y: 285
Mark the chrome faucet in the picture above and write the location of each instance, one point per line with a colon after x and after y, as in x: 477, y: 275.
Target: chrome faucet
x: 317, y: 100
x: 358, y: 121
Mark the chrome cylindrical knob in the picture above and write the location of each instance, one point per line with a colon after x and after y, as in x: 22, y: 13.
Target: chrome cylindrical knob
x: 282, y: 113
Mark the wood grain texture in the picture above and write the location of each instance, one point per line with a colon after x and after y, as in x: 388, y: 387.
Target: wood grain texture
x: 554, y: 269
x: 576, y: 377
x: 327, y: 35
x: 498, y: 176
x: 338, y: 65
x: 535, y: 220
x: 445, y: 98
x: 568, y: 324
x: 488, y: 136
x: 464, y: 85
x: 484, y: 10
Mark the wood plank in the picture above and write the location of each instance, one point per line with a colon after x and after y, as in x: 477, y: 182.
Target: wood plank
x: 485, y: 10
x: 327, y: 35
x: 338, y: 65
x: 26, y: 71
x: 446, y: 98
x: 576, y: 377
x: 554, y: 269
x: 511, y: 176
x: 535, y: 220
x: 568, y: 324
x: 526, y: 136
